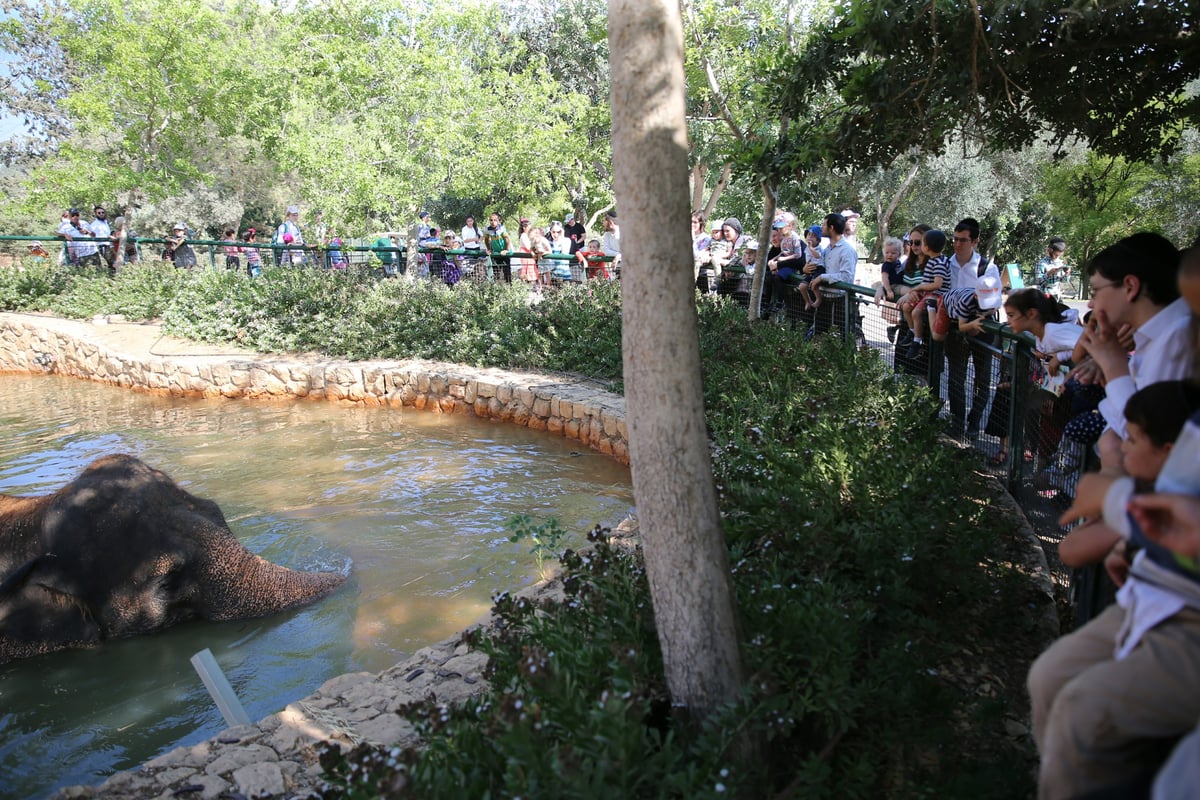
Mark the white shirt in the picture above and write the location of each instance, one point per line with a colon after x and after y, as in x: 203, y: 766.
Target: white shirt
x: 1059, y: 339
x: 611, y: 243
x: 78, y: 249
x: 1162, y: 352
x: 468, y: 234
x: 100, y: 229
x: 965, y: 276
x: 1146, y: 605
x: 841, y: 262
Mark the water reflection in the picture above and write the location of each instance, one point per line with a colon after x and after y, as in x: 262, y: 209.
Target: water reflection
x: 418, y: 502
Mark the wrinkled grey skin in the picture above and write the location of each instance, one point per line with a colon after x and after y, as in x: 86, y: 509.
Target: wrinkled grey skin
x: 122, y: 550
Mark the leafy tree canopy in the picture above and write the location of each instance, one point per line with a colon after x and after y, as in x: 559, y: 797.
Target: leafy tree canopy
x: 888, y: 76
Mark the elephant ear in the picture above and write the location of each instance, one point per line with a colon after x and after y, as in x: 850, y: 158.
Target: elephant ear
x: 39, y: 606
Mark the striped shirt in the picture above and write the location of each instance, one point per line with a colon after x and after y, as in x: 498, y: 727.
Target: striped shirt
x: 937, y: 268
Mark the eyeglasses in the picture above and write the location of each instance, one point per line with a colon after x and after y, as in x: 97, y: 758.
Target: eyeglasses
x: 915, y: 243
x: 1096, y: 287
x: 962, y: 239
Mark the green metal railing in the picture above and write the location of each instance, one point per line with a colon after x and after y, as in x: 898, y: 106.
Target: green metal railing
x: 314, y: 254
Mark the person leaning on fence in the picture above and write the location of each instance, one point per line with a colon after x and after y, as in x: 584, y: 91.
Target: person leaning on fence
x: 122, y: 246
x: 79, y: 253
x: 177, y: 250
x: 594, y: 264
x: 968, y: 305
x: 289, y: 238
x: 1154, y: 418
x: 540, y: 246
x: 495, y: 239
x: 731, y: 232
x: 233, y: 253
x: 102, y: 230
x: 968, y: 341
x: 252, y: 254
x: 1033, y: 311
x: 1134, y: 285
x: 912, y: 276
x: 611, y: 241
x: 787, y: 264
x: 716, y: 254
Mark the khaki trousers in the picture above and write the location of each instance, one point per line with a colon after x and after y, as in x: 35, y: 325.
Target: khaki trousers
x: 1097, y: 721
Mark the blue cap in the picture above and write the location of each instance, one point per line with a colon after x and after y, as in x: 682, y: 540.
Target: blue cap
x: 815, y: 230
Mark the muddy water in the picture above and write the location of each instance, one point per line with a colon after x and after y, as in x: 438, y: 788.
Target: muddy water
x: 418, y: 503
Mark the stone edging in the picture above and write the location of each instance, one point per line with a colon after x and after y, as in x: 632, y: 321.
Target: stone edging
x: 558, y: 404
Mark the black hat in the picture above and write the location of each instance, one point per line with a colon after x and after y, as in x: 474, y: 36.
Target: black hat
x: 74, y: 212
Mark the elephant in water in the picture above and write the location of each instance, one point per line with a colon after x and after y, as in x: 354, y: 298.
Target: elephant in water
x: 123, y: 550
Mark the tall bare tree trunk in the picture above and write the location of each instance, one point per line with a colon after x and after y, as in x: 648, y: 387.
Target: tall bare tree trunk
x: 764, y: 244
x: 687, y: 561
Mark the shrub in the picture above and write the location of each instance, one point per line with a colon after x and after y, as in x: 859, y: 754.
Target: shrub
x: 31, y: 288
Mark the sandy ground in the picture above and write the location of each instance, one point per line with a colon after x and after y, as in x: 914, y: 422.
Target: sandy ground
x: 132, y: 338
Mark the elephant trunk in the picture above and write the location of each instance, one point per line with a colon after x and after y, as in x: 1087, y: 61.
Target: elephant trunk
x: 250, y: 586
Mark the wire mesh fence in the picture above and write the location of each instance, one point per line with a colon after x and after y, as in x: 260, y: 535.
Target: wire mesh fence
x: 1037, y: 441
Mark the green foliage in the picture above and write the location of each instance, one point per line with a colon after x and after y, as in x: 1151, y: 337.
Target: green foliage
x: 545, y: 537
x: 1113, y: 74
x: 354, y: 315
x: 29, y: 289
x: 861, y: 572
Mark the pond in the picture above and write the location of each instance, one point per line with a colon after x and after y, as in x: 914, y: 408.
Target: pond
x: 417, y: 502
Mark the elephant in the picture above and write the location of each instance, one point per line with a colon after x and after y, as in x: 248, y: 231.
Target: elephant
x: 123, y: 550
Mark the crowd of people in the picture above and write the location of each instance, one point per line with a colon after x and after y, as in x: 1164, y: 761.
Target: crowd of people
x: 442, y: 253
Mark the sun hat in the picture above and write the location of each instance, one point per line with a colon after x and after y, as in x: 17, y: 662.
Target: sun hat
x: 990, y: 291
x: 850, y: 213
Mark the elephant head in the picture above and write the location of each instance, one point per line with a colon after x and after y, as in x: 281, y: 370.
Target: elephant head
x: 122, y: 550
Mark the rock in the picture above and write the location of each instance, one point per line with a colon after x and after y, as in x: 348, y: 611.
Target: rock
x: 259, y: 780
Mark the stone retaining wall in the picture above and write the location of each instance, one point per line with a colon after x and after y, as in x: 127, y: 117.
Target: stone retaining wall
x: 539, y: 401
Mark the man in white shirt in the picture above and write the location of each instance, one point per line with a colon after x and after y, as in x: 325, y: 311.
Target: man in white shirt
x: 82, y: 254
x: 1133, y: 285
x: 967, y: 343
x: 840, y: 261
x: 101, y: 230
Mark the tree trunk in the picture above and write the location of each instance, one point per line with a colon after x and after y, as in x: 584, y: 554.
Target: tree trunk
x: 687, y: 561
x: 764, y: 244
x: 884, y: 215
